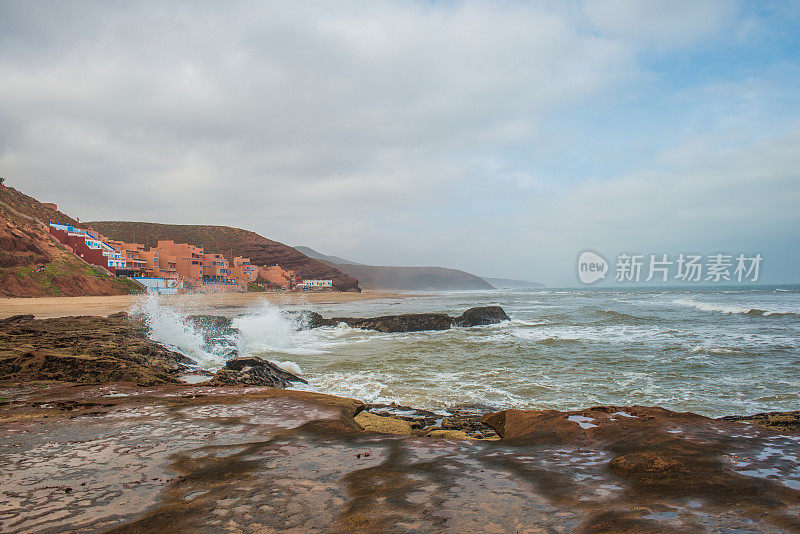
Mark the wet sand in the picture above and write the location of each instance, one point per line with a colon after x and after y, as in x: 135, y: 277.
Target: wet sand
x: 49, y: 307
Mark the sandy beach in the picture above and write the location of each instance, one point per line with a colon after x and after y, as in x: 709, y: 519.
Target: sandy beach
x: 48, y: 307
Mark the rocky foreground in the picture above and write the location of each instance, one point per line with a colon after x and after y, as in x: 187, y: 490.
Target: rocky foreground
x: 90, y: 445
x: 179, y: 458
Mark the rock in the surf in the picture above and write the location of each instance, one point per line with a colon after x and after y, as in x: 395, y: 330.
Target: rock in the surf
x: 413, y: 322
x: 408, y: 322
x: 254, y: 371
x: 482, y: 315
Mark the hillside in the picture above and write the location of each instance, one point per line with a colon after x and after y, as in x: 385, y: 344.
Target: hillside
x: 412, y: 278
x: 311, y: 253
x: 415, y: 278
x: 403, y: 278
x: 230, y: 242
x: 33, y: 264
x: 508, y: 283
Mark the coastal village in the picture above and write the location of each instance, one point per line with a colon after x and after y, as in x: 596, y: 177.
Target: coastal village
x: 170, y: 267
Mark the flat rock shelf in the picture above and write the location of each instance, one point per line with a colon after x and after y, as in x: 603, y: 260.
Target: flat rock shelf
x: 181, y: 458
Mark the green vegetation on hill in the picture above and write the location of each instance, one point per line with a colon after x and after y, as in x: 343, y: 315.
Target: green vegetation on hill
x: 34, y: 264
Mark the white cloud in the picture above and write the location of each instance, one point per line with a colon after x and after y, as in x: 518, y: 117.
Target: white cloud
x: 388, y: 131
x: 665, y: 24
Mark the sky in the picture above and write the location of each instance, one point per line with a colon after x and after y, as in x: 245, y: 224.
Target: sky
x: 502, y: 138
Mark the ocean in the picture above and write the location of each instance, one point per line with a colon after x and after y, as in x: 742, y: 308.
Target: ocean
x: 715, y: 351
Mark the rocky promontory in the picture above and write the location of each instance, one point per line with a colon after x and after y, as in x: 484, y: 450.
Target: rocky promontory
x: 254, y: 371
x: 415, y: 322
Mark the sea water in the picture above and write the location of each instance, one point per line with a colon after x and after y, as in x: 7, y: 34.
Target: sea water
x: 712, y: 351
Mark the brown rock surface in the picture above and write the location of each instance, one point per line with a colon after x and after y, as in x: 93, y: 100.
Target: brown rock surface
x: 119, y: 458
x: 787, y: 421
x: 84, y: 350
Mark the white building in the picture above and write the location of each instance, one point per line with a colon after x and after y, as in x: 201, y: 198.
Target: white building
x: 115, y: 258
x: 311, y: 285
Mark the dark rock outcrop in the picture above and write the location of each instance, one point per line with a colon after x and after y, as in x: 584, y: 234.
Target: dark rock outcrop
x: 482, y: 315
x: 408, y: 322
x: 784, y: 421
x: 312, y: 319
x: 254, y: 371
x: 85, y: 350
x: 413, y: 322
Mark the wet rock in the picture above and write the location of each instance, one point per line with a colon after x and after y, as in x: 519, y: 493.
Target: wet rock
x: 482, y: 315
x: 783, y: 421
x: 647, y: 463
x: 254, y: 371
x: 15, y: 319
x: 383, y: 424
x: 85, y: 350
x: 312, y: 319
x: 449, y: 434
x: 409, y: 322
x: 412, y: 322
x: 462, y: 423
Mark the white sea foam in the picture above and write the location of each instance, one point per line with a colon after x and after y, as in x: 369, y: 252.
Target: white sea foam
x: 765, y: 309
x: 174, y: 330
x: 715, y: 350
x: 288, y: 366
x: 263, y: 332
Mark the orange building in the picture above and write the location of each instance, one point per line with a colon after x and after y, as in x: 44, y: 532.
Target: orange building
x: 243, y: 271
x: 178, y: 259
x: 187, y: 265
x: 279, y: 276
x: 134, y: 256
x: 216, y: 269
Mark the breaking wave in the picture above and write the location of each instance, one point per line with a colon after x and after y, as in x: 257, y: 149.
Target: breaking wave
x: 734, y: 309
x: 265, y: 332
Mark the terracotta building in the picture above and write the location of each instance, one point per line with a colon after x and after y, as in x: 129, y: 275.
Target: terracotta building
x: 276, y: 275
x: 242, y: 271
x: 216, y: 269
x: 188, y: 265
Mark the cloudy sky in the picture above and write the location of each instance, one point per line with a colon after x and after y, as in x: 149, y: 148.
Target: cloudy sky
x: 502, y: 138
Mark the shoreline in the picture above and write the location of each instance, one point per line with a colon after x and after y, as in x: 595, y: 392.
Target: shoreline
x: 137, y: 450
x: 100, y: 306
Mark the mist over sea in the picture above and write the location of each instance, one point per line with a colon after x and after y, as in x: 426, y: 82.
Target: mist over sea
x: 713, y: 351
